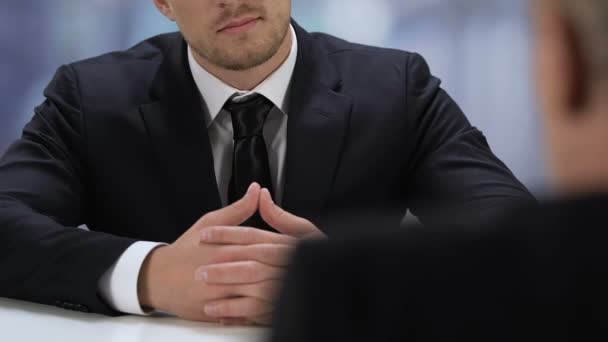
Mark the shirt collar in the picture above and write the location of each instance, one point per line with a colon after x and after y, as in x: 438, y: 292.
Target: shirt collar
x: 215, y: 92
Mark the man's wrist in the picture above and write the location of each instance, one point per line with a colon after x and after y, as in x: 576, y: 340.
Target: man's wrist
x: 118, y: 285
x: 150, y: 281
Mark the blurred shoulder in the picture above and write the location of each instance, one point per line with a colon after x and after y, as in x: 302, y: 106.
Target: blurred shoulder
x: 338, y: 46
x: 373, y: 57
x: 117, y: 79
x: 150, y: 50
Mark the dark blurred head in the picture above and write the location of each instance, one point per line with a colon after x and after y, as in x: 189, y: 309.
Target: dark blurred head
x: 572, y: 75
x: 208, y: 27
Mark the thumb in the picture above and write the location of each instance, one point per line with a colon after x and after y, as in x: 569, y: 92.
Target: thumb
x: 236, y: 213
x: 283, y: 221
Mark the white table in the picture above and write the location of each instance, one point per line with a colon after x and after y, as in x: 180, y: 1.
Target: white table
x: 21, y: 321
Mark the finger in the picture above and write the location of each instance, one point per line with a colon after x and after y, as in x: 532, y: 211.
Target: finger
x: 243, y: 236
x: 265, y: 290
x: 269, y: 254
x: 238, y: 308
x: 236, y: 213
x: 242, y: 272
x: 284, y: 221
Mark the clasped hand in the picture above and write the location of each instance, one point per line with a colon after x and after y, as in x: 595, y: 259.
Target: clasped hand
x: 220, y: 272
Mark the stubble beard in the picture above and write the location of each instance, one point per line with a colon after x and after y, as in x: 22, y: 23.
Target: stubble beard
x: 245, y: 53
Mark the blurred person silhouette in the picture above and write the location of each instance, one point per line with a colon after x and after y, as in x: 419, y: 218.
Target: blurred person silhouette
x: 199, y: 158
x: 536, y: 274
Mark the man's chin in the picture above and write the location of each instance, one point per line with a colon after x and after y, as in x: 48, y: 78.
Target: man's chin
x: 241, y: 54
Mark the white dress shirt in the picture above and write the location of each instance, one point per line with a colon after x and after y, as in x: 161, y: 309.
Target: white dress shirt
x: 118, y: 285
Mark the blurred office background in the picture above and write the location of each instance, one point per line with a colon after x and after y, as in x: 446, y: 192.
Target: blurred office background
x: 479, y: 48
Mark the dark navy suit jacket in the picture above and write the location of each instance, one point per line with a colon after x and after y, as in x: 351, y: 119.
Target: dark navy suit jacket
x: 120, y: 145
x: 538, y: 274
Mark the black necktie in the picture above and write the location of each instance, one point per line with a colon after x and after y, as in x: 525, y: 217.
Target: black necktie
x: 250, y: 158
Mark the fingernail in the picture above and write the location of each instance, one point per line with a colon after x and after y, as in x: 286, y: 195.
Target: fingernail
x: 211, y: 309
x: 269, y: 196
x: 250, y: 188
x: 201, y: 275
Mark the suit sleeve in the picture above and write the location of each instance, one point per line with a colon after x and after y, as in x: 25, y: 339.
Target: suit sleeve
x: 44, y: 257
x: 452, y: 170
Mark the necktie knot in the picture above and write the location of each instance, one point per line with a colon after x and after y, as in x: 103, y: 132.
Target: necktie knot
x: 249, y: 116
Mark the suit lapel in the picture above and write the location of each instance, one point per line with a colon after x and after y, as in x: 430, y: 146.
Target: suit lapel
x: 178, y: 133
x: 318, y: 118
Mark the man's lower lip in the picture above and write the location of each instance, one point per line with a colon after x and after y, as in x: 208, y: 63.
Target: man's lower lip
x: 242, y: 28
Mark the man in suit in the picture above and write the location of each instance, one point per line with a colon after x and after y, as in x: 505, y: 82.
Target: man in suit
x: 208, y: 129
x: 538, y: 274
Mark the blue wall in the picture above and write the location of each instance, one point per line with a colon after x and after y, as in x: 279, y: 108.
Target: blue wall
x: 480, y: 48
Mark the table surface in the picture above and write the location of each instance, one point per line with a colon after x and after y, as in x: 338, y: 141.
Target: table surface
x: 22, y: 321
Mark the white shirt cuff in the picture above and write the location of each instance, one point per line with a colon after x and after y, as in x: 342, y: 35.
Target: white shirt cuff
x: 118, y: 285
